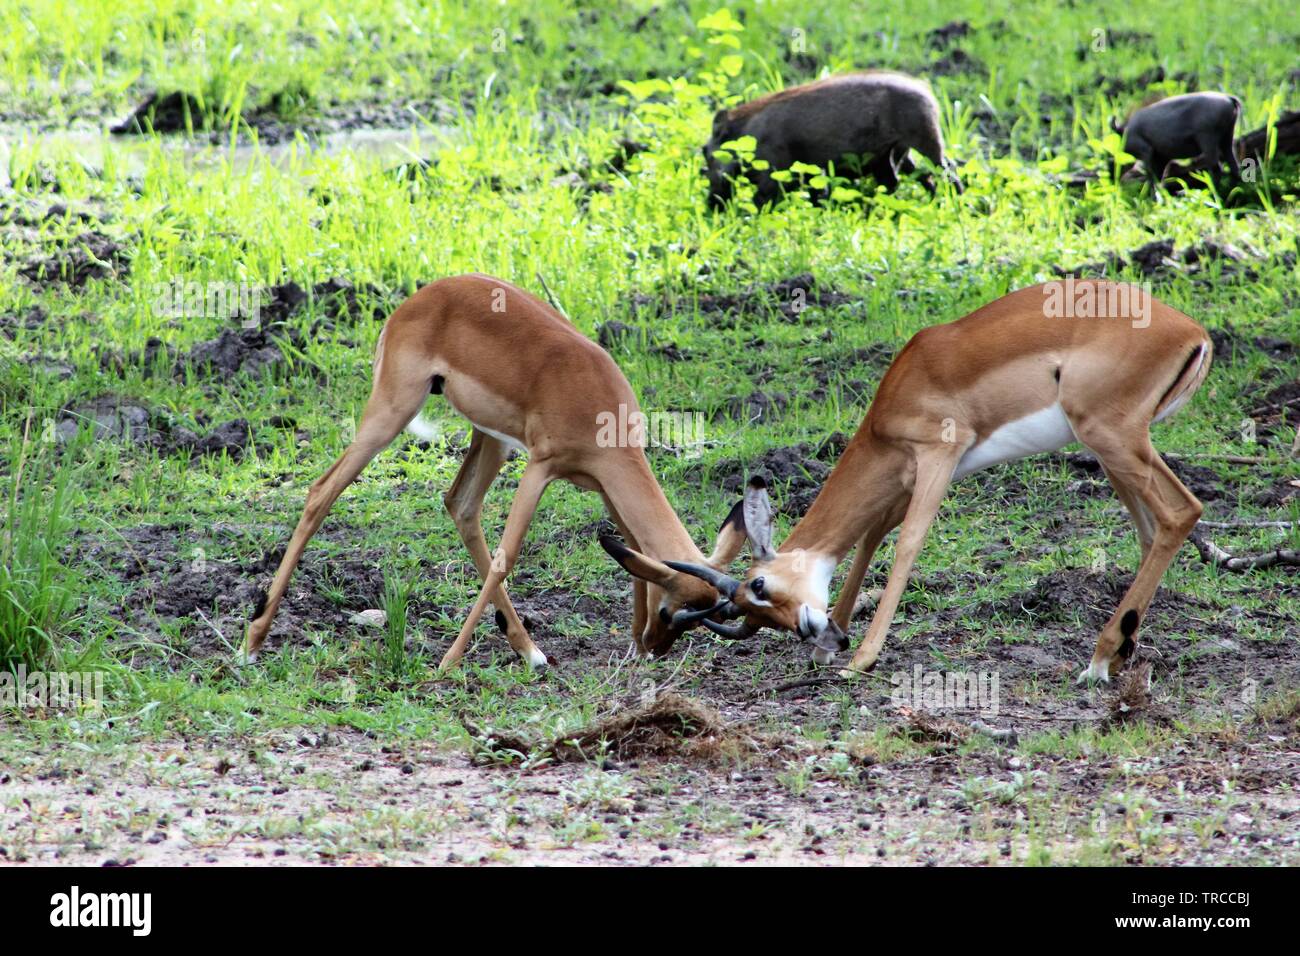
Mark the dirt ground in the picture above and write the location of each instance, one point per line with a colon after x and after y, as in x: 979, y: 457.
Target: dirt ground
x: 1193, y: 758
x: 958, y: 788
x: 342, y: 797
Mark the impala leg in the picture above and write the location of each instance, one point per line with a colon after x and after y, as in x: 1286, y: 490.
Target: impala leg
x: 934, y: 470
x: 464, y: 501
x: 1143, y: 523
x: 1138, y: 469
x: 640, y: 596
x: 867, y: 546
x: 531, y: 485
x: 843, y: 609
x: 383, y: 418
x: 640, y: 612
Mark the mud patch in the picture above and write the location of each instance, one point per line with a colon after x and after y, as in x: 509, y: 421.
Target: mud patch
x: 1232, y: 346
x: 46, y: 365
x: 957, y: 62
x: 757, y: 406
x: 1204, y: 262
x: 89, y: 255
x: 65, y: 242
x: 234, y: 351
x: 832, y: 372
x: 114, y: 418
x: 34, y: 318
x: 179, y: 112
x: 258, y: 344
x: 787, y: 300
x: 1063, y: 596
x: 174, y: 112
x: 1286, y: 394
x: 794, y: 472
x: 941, y: 37
x: 614, y: 336
x: 176, y: 573
x: 279, y: 116
x: 548, y: 615
x: 255, y: 349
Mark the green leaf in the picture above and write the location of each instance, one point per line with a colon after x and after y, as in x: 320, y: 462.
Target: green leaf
x: 645, y: 88
x: 720, y: 20
x: 732, y: 65
x: 744, y: 144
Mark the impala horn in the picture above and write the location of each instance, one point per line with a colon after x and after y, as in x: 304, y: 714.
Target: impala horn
x: 734, y: 632
x: 725, y: 584
x: 684, y: 619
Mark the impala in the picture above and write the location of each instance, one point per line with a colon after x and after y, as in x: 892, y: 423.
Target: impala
x: 525, y: 378
x: 1021, y: 375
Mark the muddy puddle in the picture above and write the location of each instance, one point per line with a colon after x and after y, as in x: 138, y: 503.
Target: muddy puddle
x: 388, y: 145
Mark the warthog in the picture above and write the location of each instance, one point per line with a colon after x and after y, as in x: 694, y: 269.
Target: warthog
x: 1198, y: 125
x: 863, y: 122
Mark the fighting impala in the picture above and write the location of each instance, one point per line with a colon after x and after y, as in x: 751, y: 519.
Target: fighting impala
x: 525, y: 378
x: 1017, y: 377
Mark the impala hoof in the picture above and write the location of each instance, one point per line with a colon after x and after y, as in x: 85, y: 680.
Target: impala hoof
x: 537, y: 660
x: 1095, y: 673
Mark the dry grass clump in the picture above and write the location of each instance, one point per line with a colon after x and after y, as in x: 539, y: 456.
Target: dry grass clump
x: 670, y: 725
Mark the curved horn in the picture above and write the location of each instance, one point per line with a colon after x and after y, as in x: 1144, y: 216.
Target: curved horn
x: 731, y: 631
x: 684, y: 619
x: 724, y: 583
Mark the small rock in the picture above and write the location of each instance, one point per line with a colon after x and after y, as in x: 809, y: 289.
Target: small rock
x: 372, y: 617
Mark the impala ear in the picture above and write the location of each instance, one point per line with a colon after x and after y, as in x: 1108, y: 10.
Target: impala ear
x: 635, y: 563
x: 758, y: 519
x: 731, y: 537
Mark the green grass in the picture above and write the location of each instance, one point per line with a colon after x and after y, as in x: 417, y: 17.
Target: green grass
x: 36, y: 593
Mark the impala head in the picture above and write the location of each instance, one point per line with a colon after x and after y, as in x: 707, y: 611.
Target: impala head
x: 678, y: 600
x: 788, y: 590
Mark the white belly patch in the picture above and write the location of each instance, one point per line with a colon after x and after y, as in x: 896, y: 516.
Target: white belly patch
x: 510, y: 441
x: 1045, y: 430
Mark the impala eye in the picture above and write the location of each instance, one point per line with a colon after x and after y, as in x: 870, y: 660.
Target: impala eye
x: 756, y: 586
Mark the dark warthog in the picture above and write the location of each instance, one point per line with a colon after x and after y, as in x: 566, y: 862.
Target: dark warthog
x: 859, y: 121
x: 1196, y: 125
